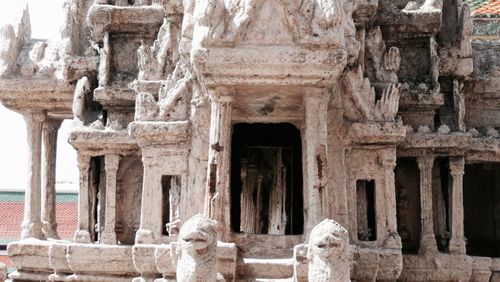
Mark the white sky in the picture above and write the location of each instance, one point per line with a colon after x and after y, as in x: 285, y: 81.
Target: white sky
x: 46, y: 16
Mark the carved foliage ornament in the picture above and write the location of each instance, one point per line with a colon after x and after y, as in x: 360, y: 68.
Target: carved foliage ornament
x: 309, y: 21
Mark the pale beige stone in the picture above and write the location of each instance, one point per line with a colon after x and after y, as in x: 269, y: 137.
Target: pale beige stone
x: 394, y: 102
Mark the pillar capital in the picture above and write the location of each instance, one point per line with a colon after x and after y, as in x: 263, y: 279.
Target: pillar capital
x: 425, y: 162
x: 52, y: 124
x: 111, y: 162
x: 83, y: 160
x: 389, y: 162
x: 457, y: 165
x: 35, y: 116
x: 222, y: 95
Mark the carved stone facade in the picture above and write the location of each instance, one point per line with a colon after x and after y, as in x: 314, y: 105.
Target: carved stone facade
x: 245, y: 140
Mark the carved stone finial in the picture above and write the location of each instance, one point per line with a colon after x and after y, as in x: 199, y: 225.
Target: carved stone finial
x: 328, y: 253
x: 197, y: 251
x: 12, y: 40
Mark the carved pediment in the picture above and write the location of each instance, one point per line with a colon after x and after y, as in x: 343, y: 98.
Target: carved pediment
x: 271, y: 42
x: 271, y: 22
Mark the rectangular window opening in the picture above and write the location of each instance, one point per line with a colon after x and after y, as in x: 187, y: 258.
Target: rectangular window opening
x: 97, y: 191
x: 171, y: 191
x: 366, y: 217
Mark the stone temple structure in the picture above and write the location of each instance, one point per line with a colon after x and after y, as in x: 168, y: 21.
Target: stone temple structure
x: 261, y: 140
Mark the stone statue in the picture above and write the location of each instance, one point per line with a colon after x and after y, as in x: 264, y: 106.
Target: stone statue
x: 359, y: 99
x: 197, y: 251
x: 328, y: 253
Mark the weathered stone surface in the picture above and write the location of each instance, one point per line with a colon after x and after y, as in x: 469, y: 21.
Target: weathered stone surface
x: 394, y: 104
x: 197, y: 251
x: 328, y: 253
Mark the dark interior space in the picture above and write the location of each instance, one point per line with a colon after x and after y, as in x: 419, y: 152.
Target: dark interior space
x: 266, y: 179
x: 166, y: 184
x: 366, y: 216
x: 97, y: 192
x: 482, y: 209
x: 441, y: 191
x: 407, y: 177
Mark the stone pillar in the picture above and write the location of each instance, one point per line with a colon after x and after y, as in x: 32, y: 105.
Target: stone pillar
x: 457, y: 242
x: 111, y: 163
x: 393, y: 240
x: 32, y: 224
x: 427, y: 239
x: 151, y: 204
x: 50, y: 129
x: 316, y: 136
x: 82, y: 235
x: 217, y: 201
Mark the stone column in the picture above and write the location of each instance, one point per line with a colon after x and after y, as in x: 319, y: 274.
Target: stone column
x: 316, y: 136
x: 427, y: 239
x: 111, y: 163
x: 393, y: 240
x: 457, y: 242
x: 32, y: 224
x: 217, y: 200
x: 82, y: 235
x: 50, y: 129
x: 151, y: 204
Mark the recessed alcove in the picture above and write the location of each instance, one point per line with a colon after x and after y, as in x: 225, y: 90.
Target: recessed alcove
x: 481, y: 209
x: 266, y: 179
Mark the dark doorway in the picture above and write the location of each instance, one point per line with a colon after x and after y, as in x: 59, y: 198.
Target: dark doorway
x: 482, y: 209
x: 366, y: 216
x: 408, y: 203
x: 266, y: 179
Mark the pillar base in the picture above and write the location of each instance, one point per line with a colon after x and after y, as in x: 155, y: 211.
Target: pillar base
x: 144, y: 236
x: 108, y: 238
x: 50, y: 230
x: 428, y: 245
x: 393, y: 241
x: 457, y: 246
x: 32, y: 230
x: 82, y: 236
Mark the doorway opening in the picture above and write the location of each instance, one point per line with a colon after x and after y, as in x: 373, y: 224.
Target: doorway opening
x: 266, y: 179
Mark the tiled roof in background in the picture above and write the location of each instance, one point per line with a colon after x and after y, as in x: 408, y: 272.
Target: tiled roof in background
x: 11, y: 216
x: 484, y: 8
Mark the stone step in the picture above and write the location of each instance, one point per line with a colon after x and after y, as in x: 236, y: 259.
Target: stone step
x: 266, y: 269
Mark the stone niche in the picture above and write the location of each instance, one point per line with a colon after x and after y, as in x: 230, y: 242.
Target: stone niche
x: 481, y: 182
x: 129, y: 194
